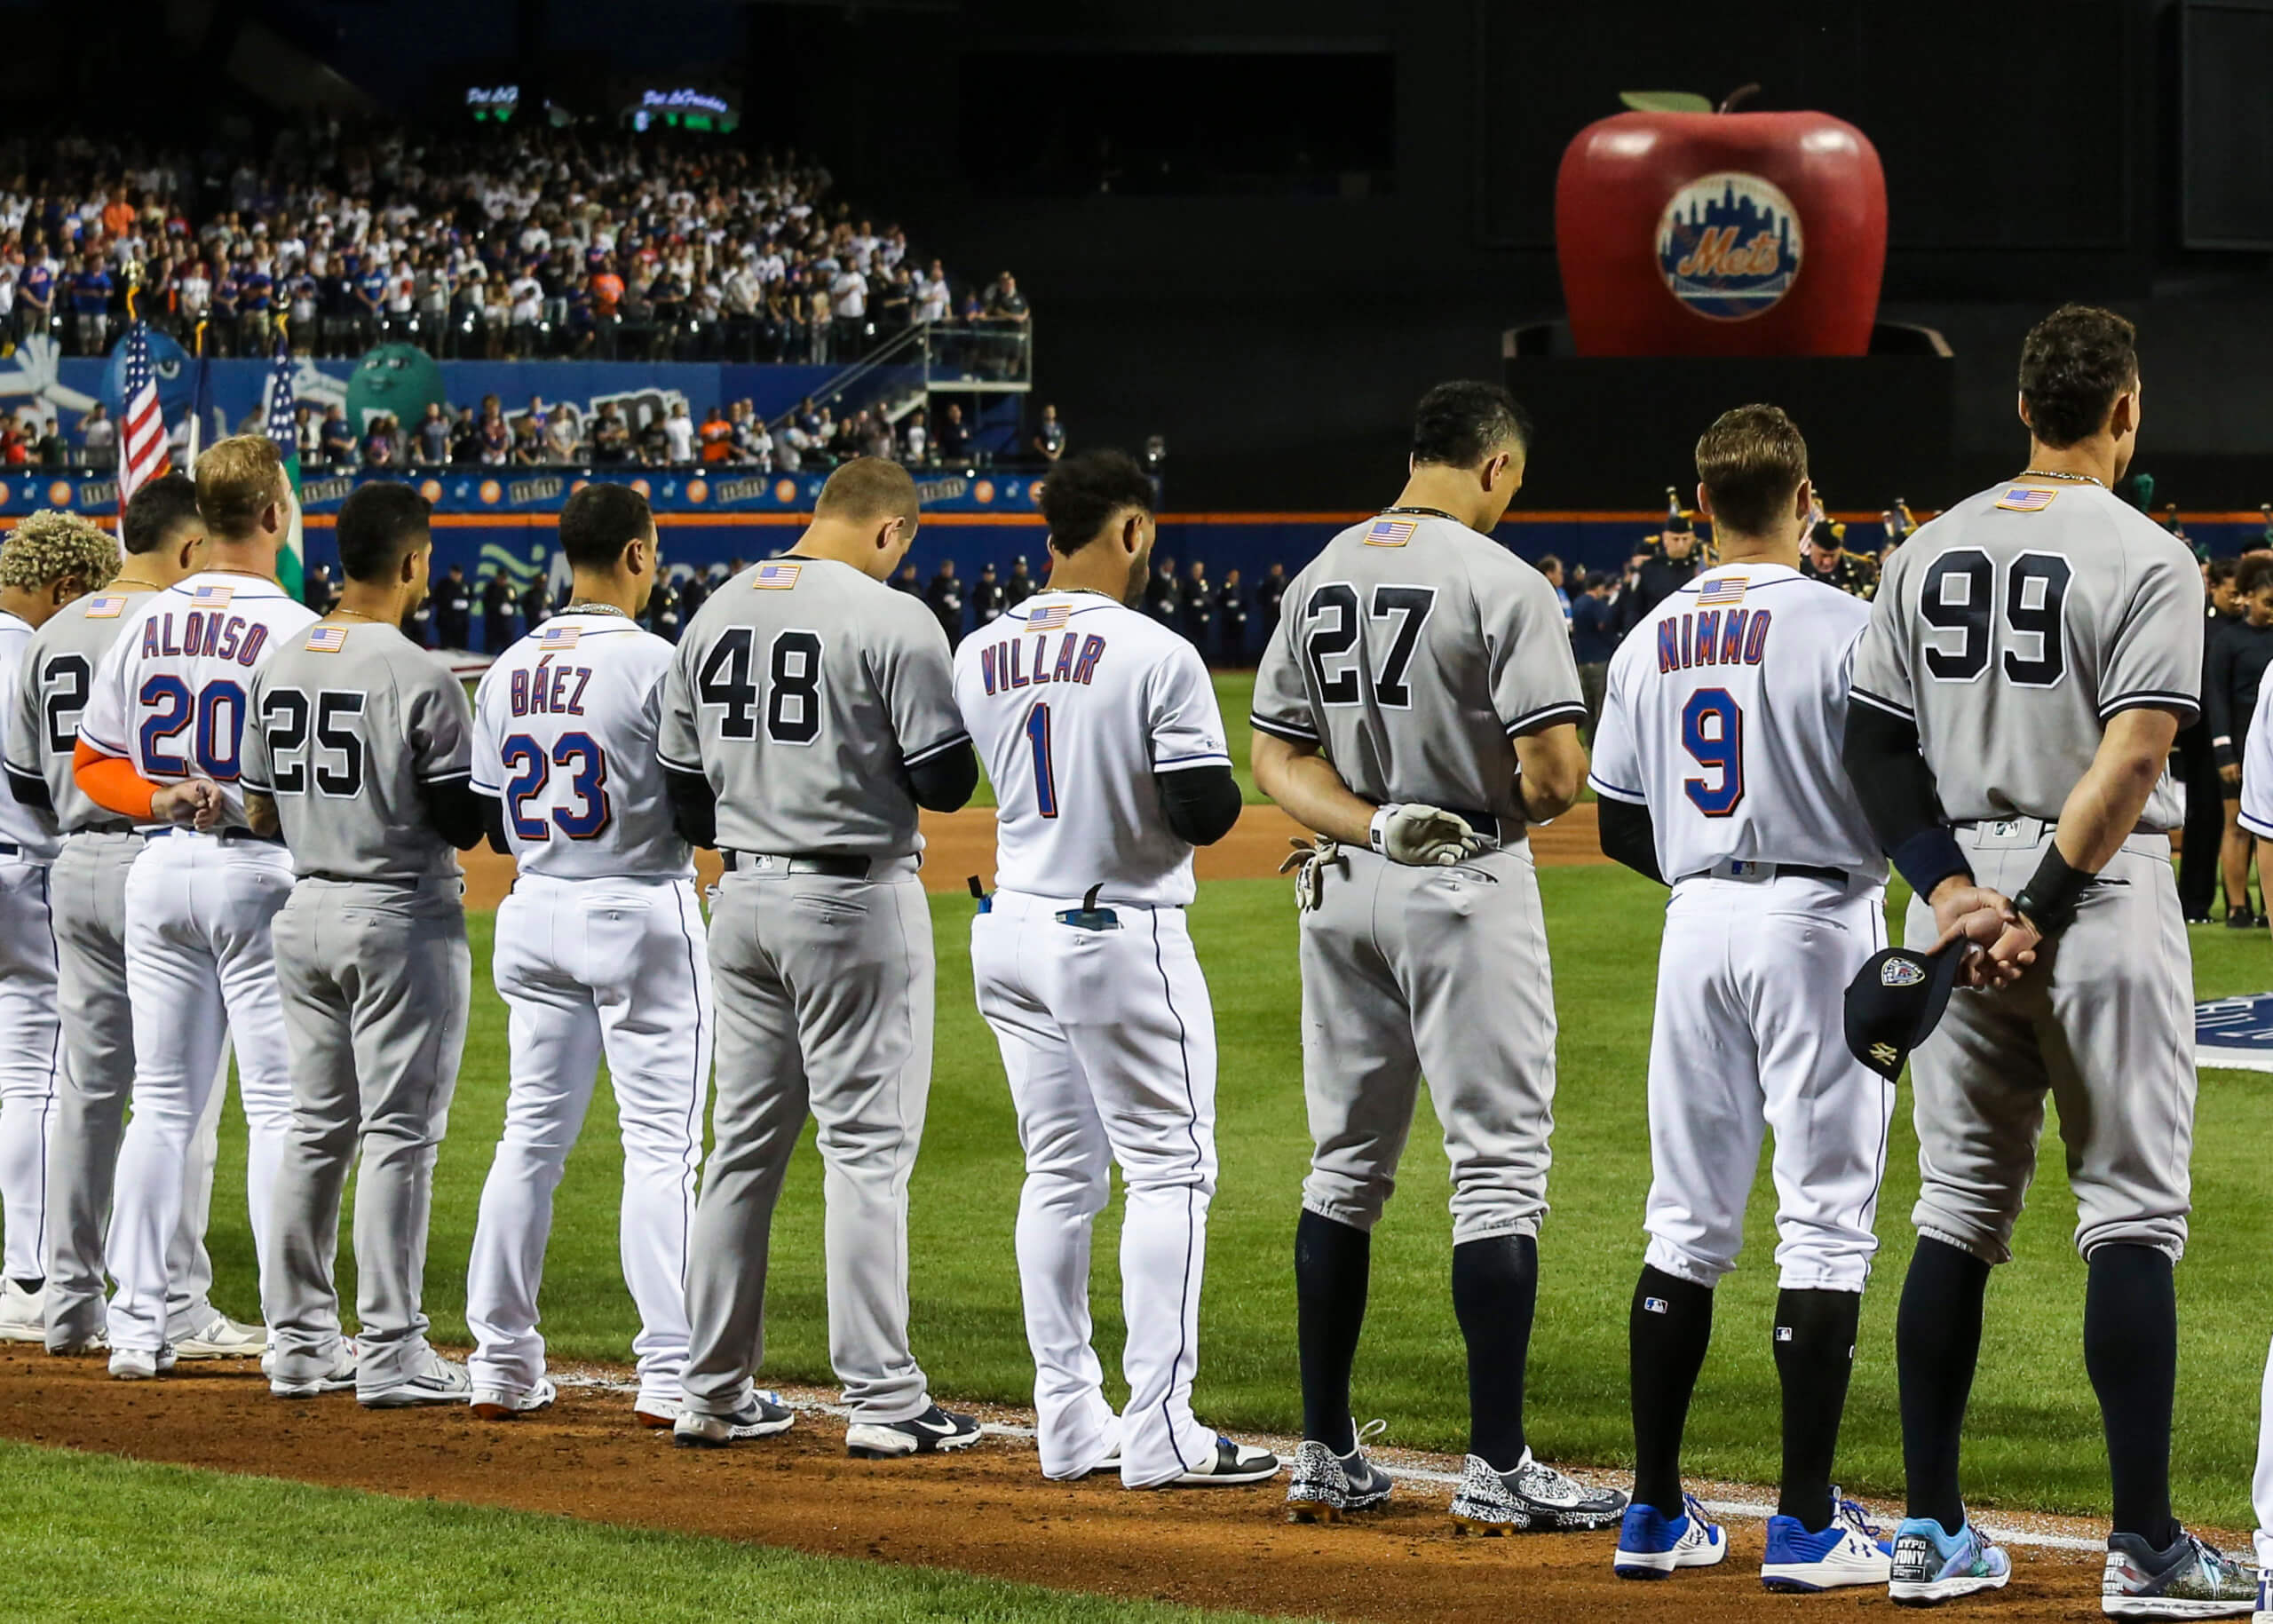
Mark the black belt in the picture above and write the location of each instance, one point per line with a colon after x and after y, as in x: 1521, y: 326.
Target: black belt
x: 835, y: 867
x: 9, y: 848
x: 1800, y: 871
x: 229, y: 836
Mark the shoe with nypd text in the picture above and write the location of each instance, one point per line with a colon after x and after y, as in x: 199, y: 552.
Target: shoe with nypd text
x: 1851, y: 1550
x: 223, y: 1338
x: 1532, y: 1498
x: 23, y: 1314
x: 1933, y: 1566
x: 1325, y: 1487
x: 441, y: 1381
x: 1232, y: 1465
x: 498, y: 1403
x: 1650, y: 1544
x: 2192, y: 1580
x: 139, y: 1364
x: 935, y: 1431
x: 763, y: 1416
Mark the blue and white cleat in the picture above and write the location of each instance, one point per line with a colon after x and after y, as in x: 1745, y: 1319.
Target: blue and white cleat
x: 1851, y: 1551
x: 1931, y: 1566
x: 2192, y: 1580
x: 1650, y: 1544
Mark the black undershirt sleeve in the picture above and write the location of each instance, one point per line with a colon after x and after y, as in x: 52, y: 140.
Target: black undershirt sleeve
x: 30, y: 789
x: 1900, y: 798
x: 492, y: 825
x: 457, y: 811
x: 695, y: 809
x: 945, y: 782
x: 1200, y: 803
x: 1628, y: 837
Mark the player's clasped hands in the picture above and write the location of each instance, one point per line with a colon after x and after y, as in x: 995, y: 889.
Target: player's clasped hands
x: 1425, y: 837
x: 2000, y: 944
x: 193, y: 803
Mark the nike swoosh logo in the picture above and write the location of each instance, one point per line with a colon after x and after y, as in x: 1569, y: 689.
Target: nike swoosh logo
x: 937, y: 1429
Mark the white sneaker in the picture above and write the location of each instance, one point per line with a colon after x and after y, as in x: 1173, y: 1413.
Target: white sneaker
x: 223, y: 1338
x: 339, y: 1378
x: 23, y: 1314
x: 442, y: 1381
x: 139, y: 1364
x: 496, y: 1404
x: 654, y: 1413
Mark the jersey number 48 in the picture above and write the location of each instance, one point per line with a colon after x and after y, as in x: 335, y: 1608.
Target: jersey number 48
x: 793, y: 685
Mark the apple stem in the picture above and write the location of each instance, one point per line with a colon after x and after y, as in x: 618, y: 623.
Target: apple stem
x: 1743, y: 92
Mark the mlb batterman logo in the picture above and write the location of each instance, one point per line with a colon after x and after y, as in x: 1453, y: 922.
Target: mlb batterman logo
x: 1729, y: 246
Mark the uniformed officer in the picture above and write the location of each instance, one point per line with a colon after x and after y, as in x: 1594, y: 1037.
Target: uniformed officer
x: 454, y: 609
x: 1826, y: 560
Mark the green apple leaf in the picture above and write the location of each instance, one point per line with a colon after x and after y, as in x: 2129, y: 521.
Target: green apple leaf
x: 1666, y: 102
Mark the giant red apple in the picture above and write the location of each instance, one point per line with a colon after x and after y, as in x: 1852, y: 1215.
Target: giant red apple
x: 1720, y: 234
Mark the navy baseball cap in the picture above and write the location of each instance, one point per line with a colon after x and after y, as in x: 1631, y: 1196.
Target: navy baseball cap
x: 1896, y: 1000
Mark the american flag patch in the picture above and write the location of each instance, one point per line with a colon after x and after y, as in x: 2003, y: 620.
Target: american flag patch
x: 212, y: 597
x: 1049, y: 617
x: 325, y: 639
x: 776, y: 577
x: 2026, y: 498
x: 557, y: 636
x: 1720, y: 590
x: 1391, y: 532
x: 108, y: 607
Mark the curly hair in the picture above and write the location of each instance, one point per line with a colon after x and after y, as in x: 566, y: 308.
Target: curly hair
x: 49, y: 547
x: 2074, y: 364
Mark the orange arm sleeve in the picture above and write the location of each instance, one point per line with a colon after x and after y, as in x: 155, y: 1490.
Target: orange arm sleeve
x: 111, y: 782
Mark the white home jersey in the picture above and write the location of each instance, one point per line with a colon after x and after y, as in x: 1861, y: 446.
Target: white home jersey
x: 564, y: 735
x: 1075, y: 704
x: 2011, y: 628
x: 173, y: 693
x: 1724, y: 713
x: 26, y: 828
x: 2257, y: 769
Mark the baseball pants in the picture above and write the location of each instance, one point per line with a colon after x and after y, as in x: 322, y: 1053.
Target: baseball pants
x: 2104, y: 1022
x: 200, y: 967
x: 1108, y: 1039
x: 1750, y: 1033
x: 28, y: 1059
x: 824, y: 989
x: 376, y: 980
x: 587, y: 968
x: 1440, y: 972
x: 97, y: 1076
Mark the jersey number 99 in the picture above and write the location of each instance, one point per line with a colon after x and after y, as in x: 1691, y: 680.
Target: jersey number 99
x: 1958, y: 599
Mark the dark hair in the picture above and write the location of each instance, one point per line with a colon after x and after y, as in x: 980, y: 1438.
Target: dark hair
x: 2222, y: 569
x: 157, y: 510
x: 2073, y: 364
x: 1085, y: 490
x: 2254, y: 573
x: 599, y: 521
x: 1752, y: 461
x: 1461, y: 423
x: 1547, y: 564
x: 377, y: 524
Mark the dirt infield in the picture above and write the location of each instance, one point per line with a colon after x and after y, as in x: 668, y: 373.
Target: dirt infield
x: 963, y: 844
x: 986, y: 1512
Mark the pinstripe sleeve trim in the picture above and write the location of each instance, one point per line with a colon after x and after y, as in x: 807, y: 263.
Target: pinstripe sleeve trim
x: 678, y: 766
x: 1617, y: 792
x: 2160, y: 699
x: 1549, y: 716
x: 1209, y: 758
x: 1293, y: 733
x: 257, y: 789
x: 445, y: 778
x: 1887, y: 705
x: 916, y: 758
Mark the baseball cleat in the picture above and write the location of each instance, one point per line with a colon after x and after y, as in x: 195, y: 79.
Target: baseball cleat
x: 1931, y: 1566
x: 1650, y: 1544
x: 2192, y: 1580
x: 338, y: 1377
x: 1532, y: 1498
x: 935, y: 1431
x: 442, y: 1381
x: 85, y: 1346
x: 496, y: 1404
x: 139, y: 1364
x: 1325, y: 1488
x: 1230, y: 1466
x: 763, y: 1416
x: 2264, y: 1614
x: 1851, y: 1550
x: 655, y: 1414
x: 23, y: 1314
x: 223, y: 1338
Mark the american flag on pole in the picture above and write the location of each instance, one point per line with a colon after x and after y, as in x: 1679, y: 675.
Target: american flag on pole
x: 287, y: 436
x: 142, y: 447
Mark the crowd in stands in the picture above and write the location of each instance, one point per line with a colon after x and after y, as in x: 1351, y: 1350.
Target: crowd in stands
x: 539, y: 242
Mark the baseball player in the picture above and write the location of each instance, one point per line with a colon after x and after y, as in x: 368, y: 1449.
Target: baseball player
x: 598, y: 950
x: 357, y: 754
x: 164, y: 539
x: 160, y: 742
x: 2028, y: 662
x: 2257, y: 819
x: 1717, y: 768
x: 1099, y: 728
x: 46, y: 562
x: 807, y: 713
x: 1417, y: 707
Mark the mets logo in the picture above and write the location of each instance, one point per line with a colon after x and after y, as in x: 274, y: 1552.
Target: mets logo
x: 1900, y: 972
x: 1729, y: 246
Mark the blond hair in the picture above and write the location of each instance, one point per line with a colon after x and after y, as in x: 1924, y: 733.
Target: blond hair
x: 868, y: 489
x: 49, y: 547
x: 236, y: 478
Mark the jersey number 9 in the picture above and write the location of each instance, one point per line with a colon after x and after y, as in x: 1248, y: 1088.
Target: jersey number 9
x: 1712, y: 731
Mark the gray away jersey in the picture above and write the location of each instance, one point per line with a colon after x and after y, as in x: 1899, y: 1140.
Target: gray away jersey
x: 349, y: 723
x: 2011, y: 628
x: 1414, y: 652
x: 803, y: 690
x: 52, y: 690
